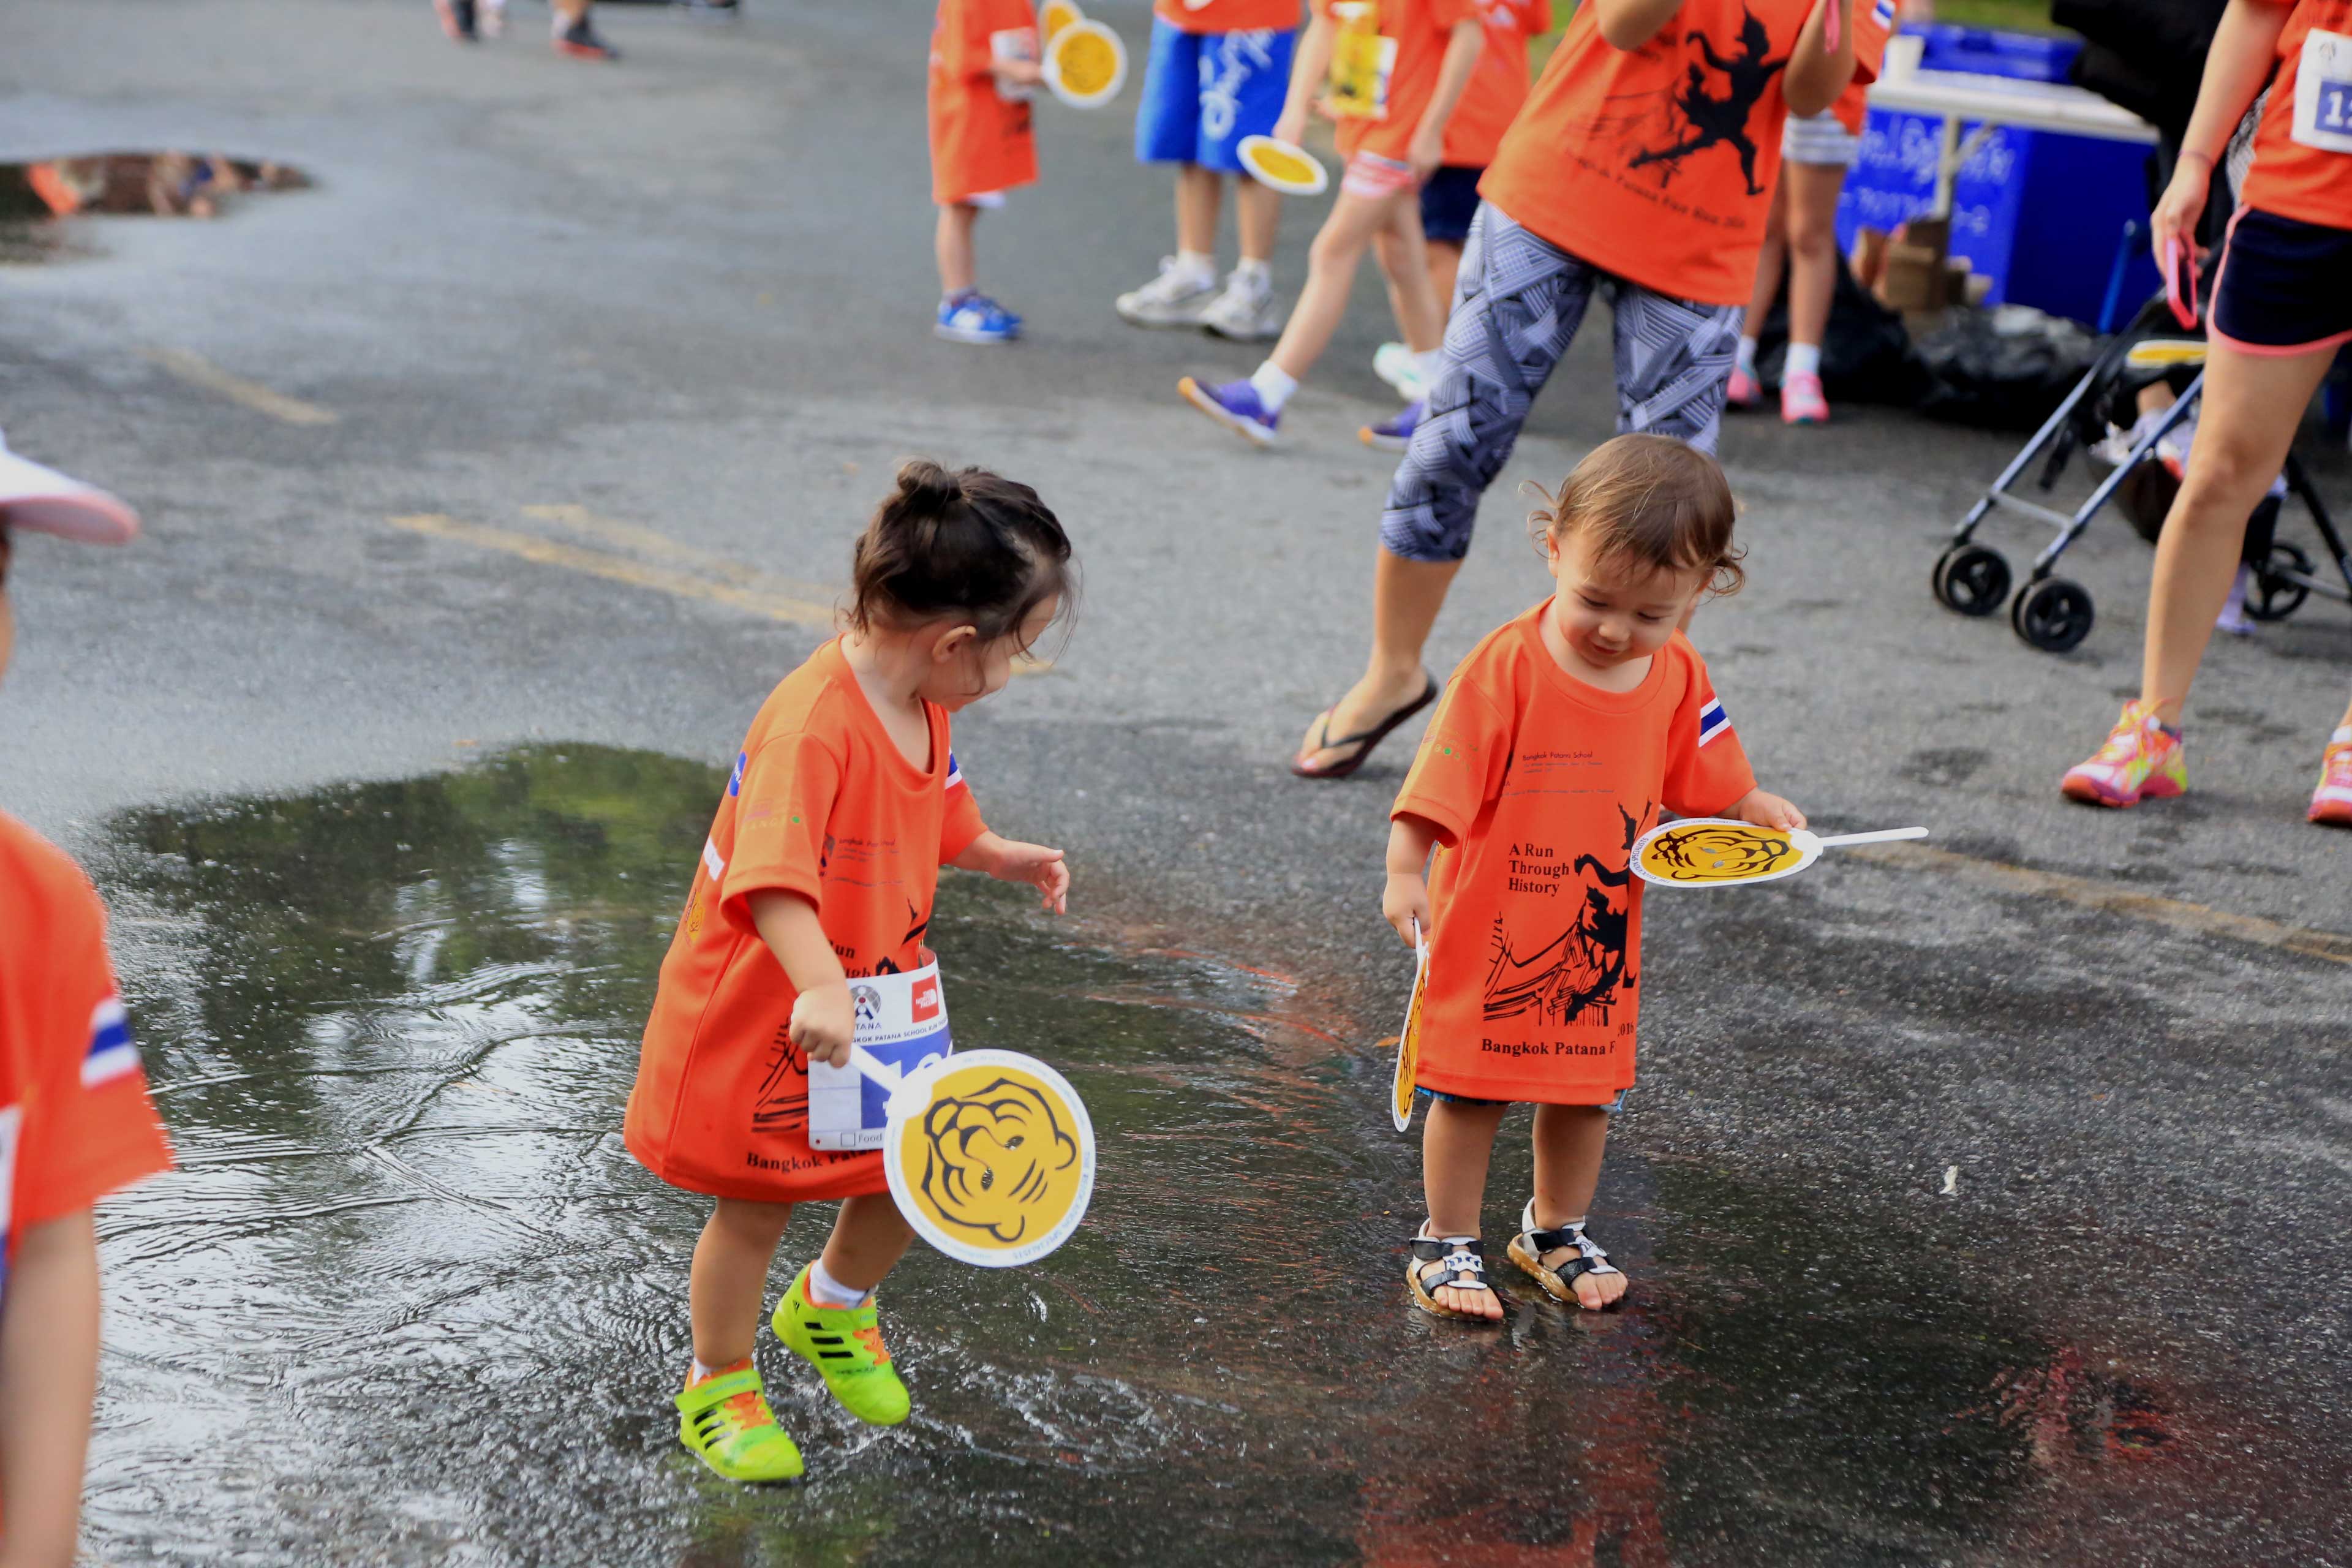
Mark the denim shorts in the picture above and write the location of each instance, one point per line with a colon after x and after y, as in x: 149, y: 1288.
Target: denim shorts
x: 1614, y: 1107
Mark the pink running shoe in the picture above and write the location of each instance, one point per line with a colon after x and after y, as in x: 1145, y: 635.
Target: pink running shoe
x: 2332, y: 802
x: 1743, y: 390
x: 2141, y: 761
x: 1802, y: 402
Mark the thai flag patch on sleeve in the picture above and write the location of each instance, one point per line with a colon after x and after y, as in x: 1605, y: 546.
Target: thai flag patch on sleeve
x: 1711, y: 721
x: 735, y: 780
x: 1884, y: 14
x: 112, y: 1054
x: 955, y: 774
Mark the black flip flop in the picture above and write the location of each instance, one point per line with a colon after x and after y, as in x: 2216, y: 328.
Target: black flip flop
x: 1362, y: 740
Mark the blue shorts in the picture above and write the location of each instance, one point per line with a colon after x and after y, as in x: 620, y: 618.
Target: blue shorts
x: 1202, y: 92
x: 1448, y: 202
x: 1612, y: 1106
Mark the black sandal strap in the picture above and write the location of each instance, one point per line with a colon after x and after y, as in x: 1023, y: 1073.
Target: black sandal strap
x: 1589, y: 1257
x: 1468, y: 1274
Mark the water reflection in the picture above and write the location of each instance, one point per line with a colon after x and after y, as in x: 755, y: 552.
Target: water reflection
x: 410, y: 1301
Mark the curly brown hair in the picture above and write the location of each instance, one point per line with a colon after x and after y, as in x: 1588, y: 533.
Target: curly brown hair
x: 1654, y: 500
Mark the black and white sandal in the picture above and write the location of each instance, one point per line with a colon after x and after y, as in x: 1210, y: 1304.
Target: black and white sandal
x: 1527, y: 1250
x: 1462, y: 1264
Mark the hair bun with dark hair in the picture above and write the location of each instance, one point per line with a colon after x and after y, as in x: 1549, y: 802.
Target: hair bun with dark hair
x: 927, y: 486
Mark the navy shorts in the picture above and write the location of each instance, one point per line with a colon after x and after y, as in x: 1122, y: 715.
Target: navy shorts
x: 1612, y: 1106
x: 2282, y: 289
x: 1449, y: 202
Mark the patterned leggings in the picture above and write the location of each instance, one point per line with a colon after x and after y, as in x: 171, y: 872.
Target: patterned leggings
x: 1516, y: 310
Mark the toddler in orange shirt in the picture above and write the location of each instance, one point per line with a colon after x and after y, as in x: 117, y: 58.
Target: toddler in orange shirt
x: 983, y: 70
x: 1559, y: 740
x: 819, y: 871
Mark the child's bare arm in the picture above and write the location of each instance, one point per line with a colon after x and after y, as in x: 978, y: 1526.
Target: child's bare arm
x: 1630, y: 24
x: 1405, y: 901
x: 1816, y: 75
x: 823, y: 1018
x: 1309, y: 63
x: 48, y: 1376
x: 1463, y: 48
x: 1019, y: 73
x: 1009, y: 860
x: 1765, y: 809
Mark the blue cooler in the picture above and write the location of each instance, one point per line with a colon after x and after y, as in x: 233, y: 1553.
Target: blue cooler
x: 2038, y: 213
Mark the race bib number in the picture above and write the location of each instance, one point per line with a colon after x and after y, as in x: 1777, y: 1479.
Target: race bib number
x: 1014, y: 44
x: 902, y: 1022
x: 2323, y: 92
x: 1362, y: 62
x: 12, y: 1121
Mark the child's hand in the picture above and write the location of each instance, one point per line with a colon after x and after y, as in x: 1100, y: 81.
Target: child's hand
x: 1766, y: 810
x: 1292, y: 127
x: 1427, y: 152
x: 1406, y: 900
x: 1021, y: 73
x: 824, y: 1022
x: 1041, y: 868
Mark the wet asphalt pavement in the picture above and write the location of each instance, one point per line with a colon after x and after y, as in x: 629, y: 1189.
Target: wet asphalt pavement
x: 644, y: 341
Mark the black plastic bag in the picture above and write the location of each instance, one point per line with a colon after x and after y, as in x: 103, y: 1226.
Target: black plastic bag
x: 2005, y: 369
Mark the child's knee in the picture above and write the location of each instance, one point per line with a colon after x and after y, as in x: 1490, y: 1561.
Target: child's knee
x: 744, y: 1220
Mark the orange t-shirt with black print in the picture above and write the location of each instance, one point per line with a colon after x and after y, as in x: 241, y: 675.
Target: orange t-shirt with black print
x: 1499, y: 85
x: 823, y: 804
x: 981, y: 142
x: 2302, y: 147
x: 1419, y: 30
x: 1657, y: 163
x: 74, y: 1119
x: 1538, y: 784
x: 1228, y: 15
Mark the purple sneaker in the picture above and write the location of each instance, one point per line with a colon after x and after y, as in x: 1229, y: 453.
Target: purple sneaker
x: 1236, y: 405
x: 1393, y: 433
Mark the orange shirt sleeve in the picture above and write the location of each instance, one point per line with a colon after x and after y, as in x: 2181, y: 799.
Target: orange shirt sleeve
x: 1707, y: 768
x: 89, y: 1127
x: 1538, y: 16
x: 960, y: 824
x: 789, y: 788
x: 1461, y: 763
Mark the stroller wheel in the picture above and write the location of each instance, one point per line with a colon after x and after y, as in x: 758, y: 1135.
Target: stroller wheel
x: 2053, y: 614
x: 2276, y: 598
x: 1971, y: 579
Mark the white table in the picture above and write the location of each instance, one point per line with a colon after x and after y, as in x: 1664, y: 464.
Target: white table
x: 1955, y: 97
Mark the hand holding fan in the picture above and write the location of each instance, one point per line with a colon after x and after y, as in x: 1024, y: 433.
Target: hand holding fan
x: 1408, y: 1062
x: 1720, y: 852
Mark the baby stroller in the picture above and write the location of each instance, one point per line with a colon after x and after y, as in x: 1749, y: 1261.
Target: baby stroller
x: 2054, y: 613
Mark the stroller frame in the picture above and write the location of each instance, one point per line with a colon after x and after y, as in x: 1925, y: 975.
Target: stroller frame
x: 2054, y: 614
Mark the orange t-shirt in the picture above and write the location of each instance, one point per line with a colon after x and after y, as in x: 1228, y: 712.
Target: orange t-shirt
x: 2302, y: 148
x: 1419, y: 29
x: 74, y: 1119
x: 1538, y: 784
x: 1228, y: 15
x: 1500, y: 83
x: 822, y: 804
x: 1657, y: 163
x: 981, y: 137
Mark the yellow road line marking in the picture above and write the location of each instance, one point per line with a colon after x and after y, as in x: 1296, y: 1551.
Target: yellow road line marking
x: 646, y: 540
x: 2199, y: 919
x: 197, y: 371
x: 619, y: 569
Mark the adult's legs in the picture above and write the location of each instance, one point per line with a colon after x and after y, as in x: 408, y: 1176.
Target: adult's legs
x: 1674, y: 358
x: 1810, y: 192
x: 2252, y: 404
x: 1519, y: 305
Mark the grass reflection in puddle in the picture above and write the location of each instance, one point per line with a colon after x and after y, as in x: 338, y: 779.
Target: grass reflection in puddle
x: 409, y: 1299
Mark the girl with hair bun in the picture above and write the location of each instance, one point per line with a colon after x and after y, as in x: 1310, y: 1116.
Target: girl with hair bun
x: 817, y: 878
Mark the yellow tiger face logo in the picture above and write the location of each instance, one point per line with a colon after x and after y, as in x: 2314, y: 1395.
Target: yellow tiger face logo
x: 1718, y: 852
x: 993, y: 1158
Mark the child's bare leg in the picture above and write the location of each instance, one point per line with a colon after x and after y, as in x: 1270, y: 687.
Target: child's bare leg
x: 1444, y: 271
x: 1257, y: 213
x: 1419, y: 315
x: 1569, y: 1139
x: 1808, y: 194
x: 868, y: 1238
x: 729, y: 1282
x: 958, y: 269
x: 1198, y: 194
x: 1330, y: 276
x: 1455, y: 1142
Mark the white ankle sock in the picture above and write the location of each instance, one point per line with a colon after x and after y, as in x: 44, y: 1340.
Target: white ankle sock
x: 700, y: 1372
x: 1746, y: 363
x: 1804, y: 359
x: 831, y: 1294
x: 1427, y: 365
x: 2343, y: 736
x: 1198, y: 264
x: 1258, y: 272
x: 1274, y: 386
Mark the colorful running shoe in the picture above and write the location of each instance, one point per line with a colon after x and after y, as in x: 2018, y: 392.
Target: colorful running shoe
x: 2142, y: 759
x: 1236, y: 405
x: 844, y: 1344
x: 725, y: 1419
x: 1743, y: 390
x: 1174, y: 299
x: 457, y: 19
x: 976, y: 319
x: 2331, y: 803
x: 1802, y: 402
x: 580, y: 41
x: 1393, y: 433
x: 1401, y: 368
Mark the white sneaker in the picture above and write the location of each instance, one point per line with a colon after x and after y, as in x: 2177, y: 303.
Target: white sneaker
x: 1245, y: 311
x: 1174, y: 299
x: 493, y: 22
x: 1401, y: 368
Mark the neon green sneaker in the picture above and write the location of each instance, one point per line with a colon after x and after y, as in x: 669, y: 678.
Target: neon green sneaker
x: 725, y: 1419
x: 844, y: 1343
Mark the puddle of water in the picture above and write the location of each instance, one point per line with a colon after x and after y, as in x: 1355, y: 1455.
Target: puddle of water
x: 165, y: 184
x: 409, y: 1301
